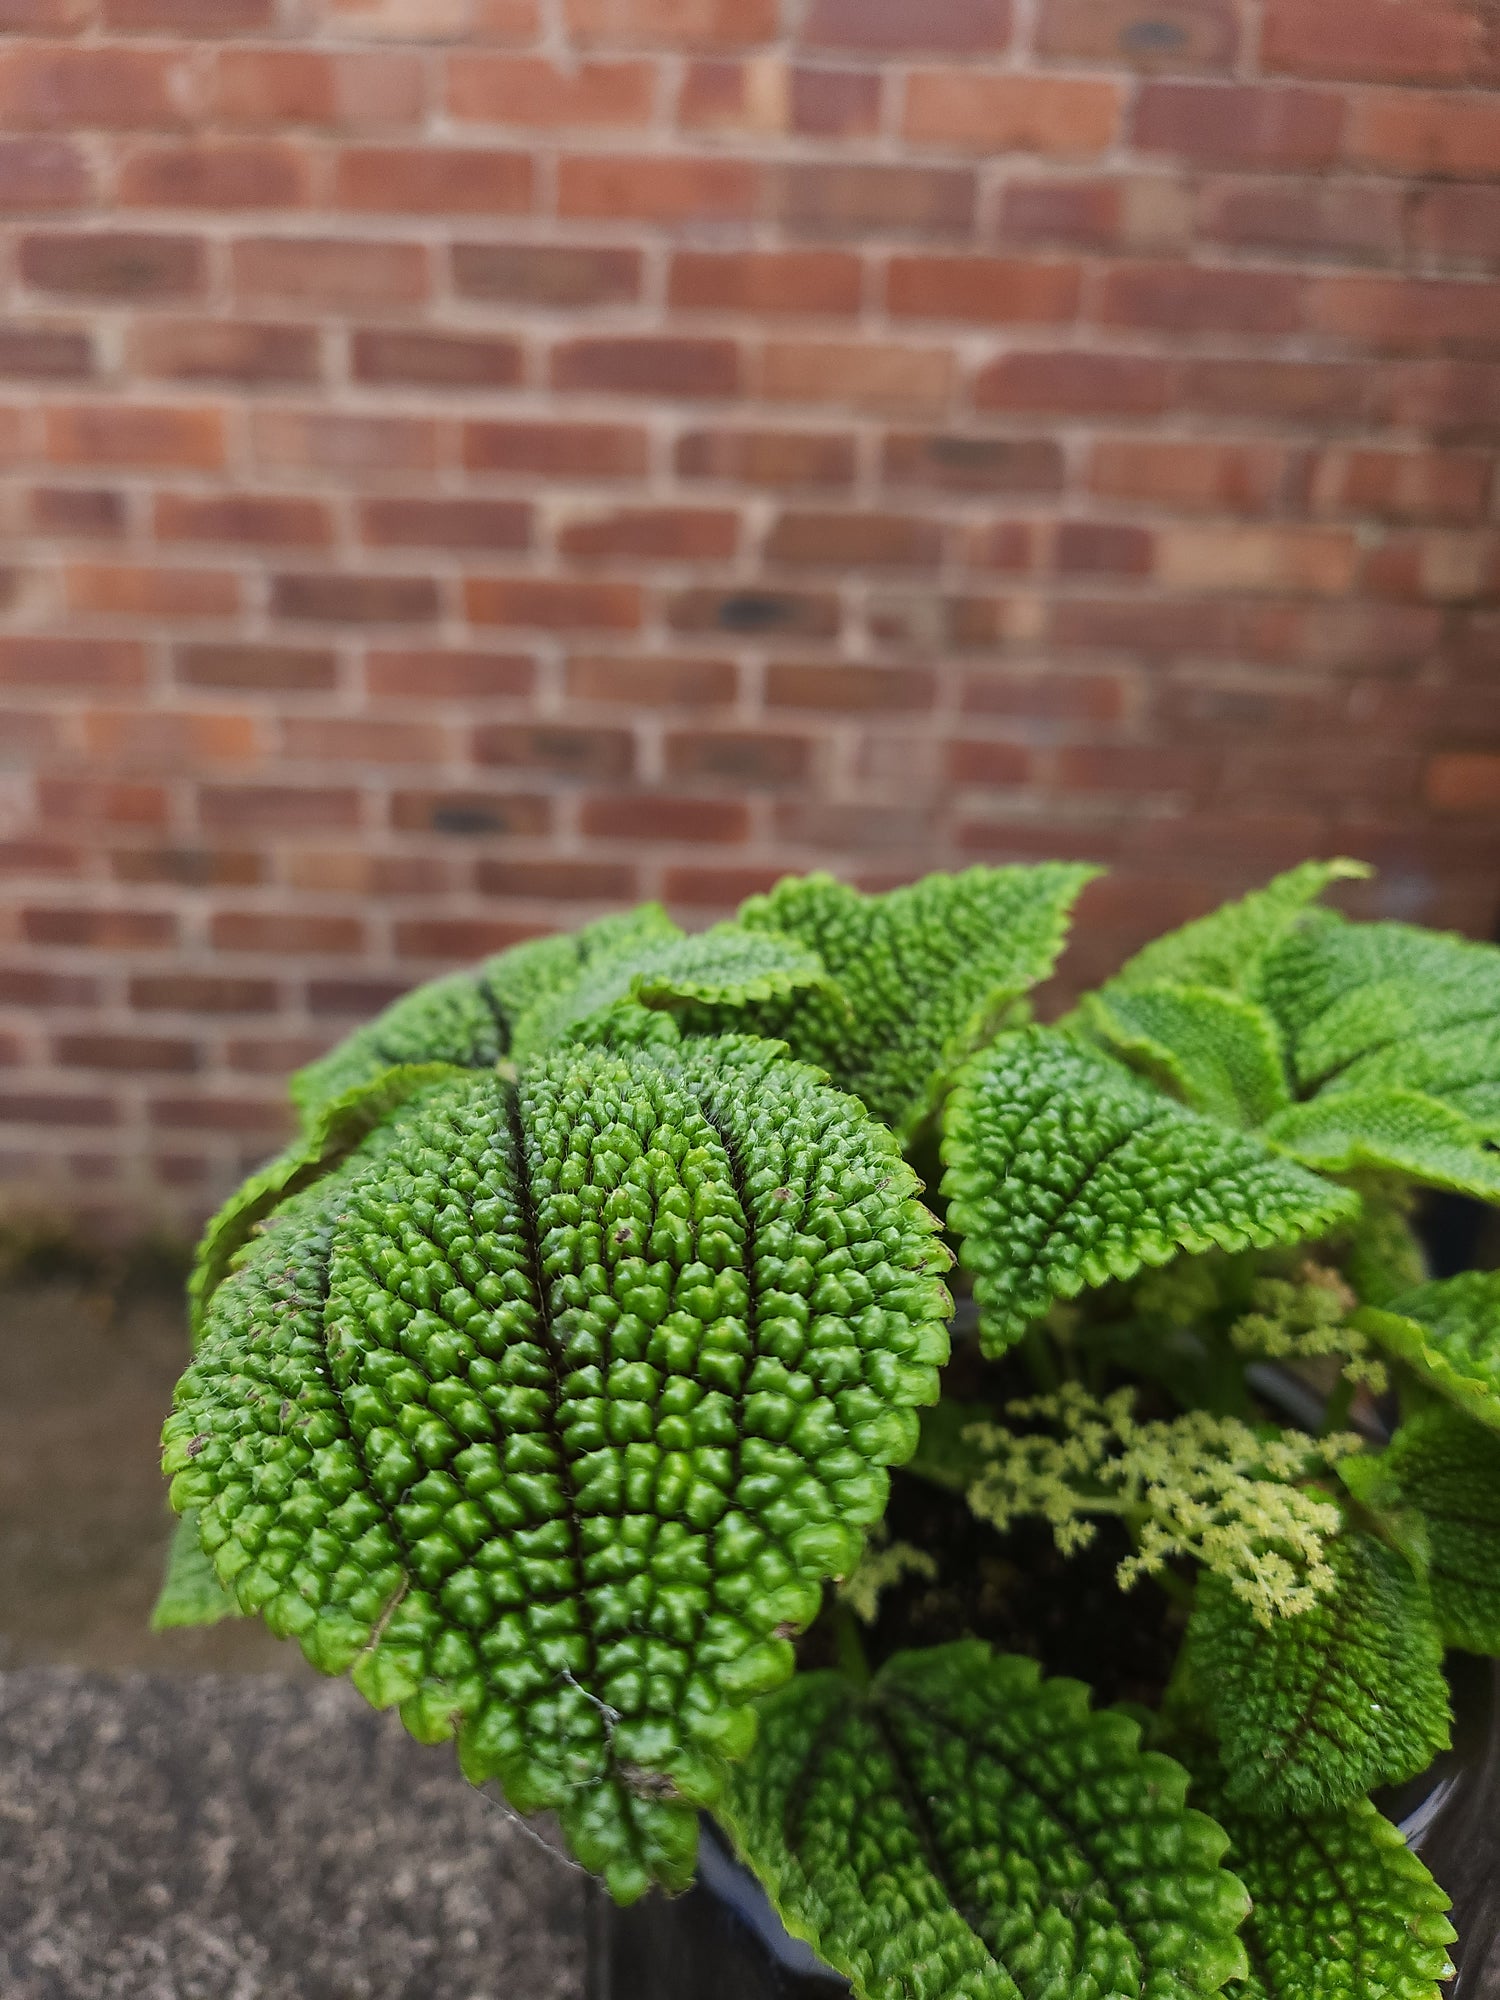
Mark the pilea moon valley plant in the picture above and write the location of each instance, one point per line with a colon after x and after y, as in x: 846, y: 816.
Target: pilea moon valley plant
x: 551, y: 1382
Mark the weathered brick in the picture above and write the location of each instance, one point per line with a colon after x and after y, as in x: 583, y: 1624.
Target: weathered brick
x: 278, y: 809
x: 530, y: 90
x: 648, y: 365
x: 562, y: 275
x: 1459, y: 225
x: 224, y: 350
x: 101, y: 802
x: 551, y: 605
x: 93, y: 512
x: 1317, y: 561
x: 1424, y: 314
x: 435, y: 360
x: 1322, y: 219
x: 470, y: 813
x: 566, y: 749
x: 555, y: 450
x: 113, y: 264
x: 256, y: 668
x: 1301, y: 391
x: 339, y: 274
x: 652, y: 817
x: 1394, y: 485
x: 971, y: 110
x: 1426, y: 132
x: 43, y: 173
x: 768, y: 615
x: 819, y: 282
x: 1171, y: 35
x: 1192, y: 475
x: 258, y: 520
x: 1240, y: 125
x: 190, y: 868
x: 858, y: 199
x: 215, y: 174
x: 1103, y: 548
x: 1182, y: 298
x: 766, y: 458
x: 330, y: 441
x: 341, y: 599
x: 347, y: 91
x: 754, y: 758
x: 95, y: 88
x: 896, y: 26
x: 963, y: 463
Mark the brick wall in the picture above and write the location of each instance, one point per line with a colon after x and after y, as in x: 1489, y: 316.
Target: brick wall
x: 470, y: 463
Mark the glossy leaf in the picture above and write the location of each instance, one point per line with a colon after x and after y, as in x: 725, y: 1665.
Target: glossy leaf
x: 964, y: 1830
x: 1448, y: 1331
x: 1215, y: 1050
x: 1316, y: 1710
x: 1064, y: 1170
x: 549, y: 1411
x: 191, y: 1593
x: 1392, y: 1131
x: 1228, y: 946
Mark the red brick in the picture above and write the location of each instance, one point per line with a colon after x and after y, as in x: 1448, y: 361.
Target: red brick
x: 648, y: 365
x: 338, y: 599
x: 835, y: 103
x: 1091, y: 213
x: 770, y: 615
x: 219, y: 1114
x: 278, y: 810
x: 101, y: 89
x: 849, y: 690
x: 897, y: 26
x: 924, y: 622
x: 329, y: 271
x: 962, y: 463
x: 654, y: 683
x: 299, y: 86
x: 580, y: 451
x: 256, y: 668
x: 1438, y: 41
x: 1426, y: 132
x: 1133, y: 767
x: 330, y: 441
x: 413, y: 180
x: 563, y: 275
x: 1182, y: 298
x: 558, y: 881
x: 189, y: 867
x: 1320, y: 218
x: 103, y: 930
x: 41, y: 353
x: 569, y: 751
x: 971, y: 110
x: 43, y: 173
x: 50, y: 1107
x: 270, y: 1055
x: 1460, y: 225
x: 1457, y: 401
x: 135, y: 434
x: 673, y: 24
x: 1003, y: 545
x: 101, y: 802
x: 1075, y: 382
x: 655, y: 817
x: 766, y: 281
x: 753, y: 758
x: 717, y: 888
x: 224, y: 350
x: 1143, y: 34
x: 753, y: 97
x: 448, y: 676
x: 1239, y: 125
x: 1049, y: 695
x: 360, y: 740
x: 977, y: 762
x: 258, y: 520
x: 27, y: 987
x: 470, y: 813
x: 766, y: 458
x: 552, y: 606
x: 1301, y: 391
x: 1241, y: 557
x: 866, y: 374
x: 651, y: 534
x: 1436, y: 568
x: 1103, y: 548
x: 136, y: 1054
x: 1425, y: 314
x: 113, y: 264
x: 855, y: 541
x: 1451, y: 487
x: 55, y: 662
x: 216, y: 174
x: 657, y: 188
x: 997, y: 291
x: 1189, y: 474
x: 193, y: 17
x: 95, y: 512
x: 530, y: 90
x: 45, y: 16
x: 136, y: 591
x: 835, y: 198
x: 1463, y: 781
x: 456, y: 524
x: 201, y: 993
x: 456, y: 939
x: 435, y: 360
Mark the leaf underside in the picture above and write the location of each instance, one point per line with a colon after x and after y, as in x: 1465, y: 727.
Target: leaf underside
x: 1449, y: 1332
x: 1228, y: 947
x: 927, y: 970
x: 1064, y: 1170
x: 1315, y: 1710
x: 1217, y: 1051
x: 191, y: 1593
x: 551, y: 1408
x: 964, y: 1830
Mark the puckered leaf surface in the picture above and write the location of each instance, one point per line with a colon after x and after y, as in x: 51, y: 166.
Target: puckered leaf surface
x: 468, y: 1018
x: 965, y: 1830
x: 1444, y: 1472
x: 1064, y: 1170
x: 191, y: 1593
x: 550, y: 1409
x: 1228, y: 946
x: 1341, y: 1909
x: 927, y: 970
x: 1449, y: 1332
x: 1315, y: 1710
x: 1391, y: 1130
x: 1215, y: 1050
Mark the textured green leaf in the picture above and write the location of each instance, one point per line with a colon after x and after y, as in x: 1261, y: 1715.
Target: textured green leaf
x: 191, y: 1593
x: 1227, y: 947
x: 1449, y: 1332
x: 468, y: 1018
x: 1315, y: 1710
x: 1341, y: 1909
x: 965, y: 1830
x: 333, y: 1131
x: 725, y: 970
x: 927, y: 969
x: 551, y: 1409
x: 1382, y: 1257
x: 1459, y: 1066
x: 1395, y: 1131
x: 1446, y: 1471
x: 1215, y: 1050
x: 1064, y: 1170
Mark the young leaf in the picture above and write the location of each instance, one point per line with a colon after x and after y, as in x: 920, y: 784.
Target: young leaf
x: 1459, y: 1066
x: 1390, y: 1130
x: 550, y: 1417
x: 1315, y: 1710
x: 1227, y: 947
x: 1341, y: 1909
x: 1449, y: 1332
x: 468, y: 1018
x: 191, y: 1594
x: 927, y: 969
x: 964, y: 1830
x: 1215, y: 1050
x: 1446, y: 1471
x: 1064, y: 1171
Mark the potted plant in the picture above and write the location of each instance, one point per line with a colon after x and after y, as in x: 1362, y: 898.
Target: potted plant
x: 551, y: 1382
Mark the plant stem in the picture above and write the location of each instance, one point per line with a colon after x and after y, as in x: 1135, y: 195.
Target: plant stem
x: 850, y: 1647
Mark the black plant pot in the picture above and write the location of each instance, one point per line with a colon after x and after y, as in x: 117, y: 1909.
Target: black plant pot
x: 723, y: 1941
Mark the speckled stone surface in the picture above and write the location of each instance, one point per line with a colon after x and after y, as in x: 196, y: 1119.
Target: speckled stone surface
x: 248, y: 1838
